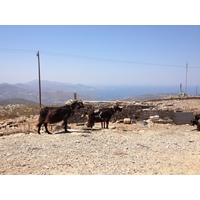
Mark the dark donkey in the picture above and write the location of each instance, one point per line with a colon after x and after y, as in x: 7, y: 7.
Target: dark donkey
x: 196, y: 121
x: 102, y: 115
x: 53, y: 115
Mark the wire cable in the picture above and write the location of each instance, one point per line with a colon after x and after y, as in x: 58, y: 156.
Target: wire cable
x: 56, y: 54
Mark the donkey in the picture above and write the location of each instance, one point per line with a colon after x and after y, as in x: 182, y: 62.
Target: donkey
x: 196, y: 121
x: 102, y: 115
x: 92, y: 117
x: 53, y: 115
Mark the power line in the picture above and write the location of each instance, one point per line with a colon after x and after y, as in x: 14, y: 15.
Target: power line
x: 107, y: 59
x: 17, y: 50
x: 56, y: 54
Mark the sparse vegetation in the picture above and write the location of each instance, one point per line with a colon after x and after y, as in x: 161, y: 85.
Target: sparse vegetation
x: 13, y: 111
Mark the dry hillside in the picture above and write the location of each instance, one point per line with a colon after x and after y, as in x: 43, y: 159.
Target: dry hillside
x: 156, y: 148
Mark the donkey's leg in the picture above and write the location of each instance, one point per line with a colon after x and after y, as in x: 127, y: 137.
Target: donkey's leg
x: 39, y: 126
x: 45, y: 125
x: 102, y: 124
x: 65, y: 124
x: 107, y: 122
x: 198, y: 127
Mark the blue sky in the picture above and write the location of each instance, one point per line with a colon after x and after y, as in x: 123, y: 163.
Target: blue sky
x: 101, y: 55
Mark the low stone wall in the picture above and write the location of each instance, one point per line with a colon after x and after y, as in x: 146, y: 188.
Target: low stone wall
x: 130, y: 110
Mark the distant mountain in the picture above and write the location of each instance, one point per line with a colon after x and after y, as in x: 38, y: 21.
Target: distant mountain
x: 54, y: 86
x: 52, y: 92
x: 8, y: 91
x: 58, y: 92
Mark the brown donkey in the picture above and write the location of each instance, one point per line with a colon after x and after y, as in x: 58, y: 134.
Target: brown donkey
x: 53, y: 115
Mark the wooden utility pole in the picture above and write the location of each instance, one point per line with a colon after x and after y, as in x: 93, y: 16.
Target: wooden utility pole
x: 40, y: 99
x: 75, y: 96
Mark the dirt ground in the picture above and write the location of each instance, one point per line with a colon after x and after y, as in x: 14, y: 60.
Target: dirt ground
x: 123, y: 149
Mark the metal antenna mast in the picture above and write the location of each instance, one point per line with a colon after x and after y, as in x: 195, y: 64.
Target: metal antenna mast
x: 38, y: 55
x: 186, y: 78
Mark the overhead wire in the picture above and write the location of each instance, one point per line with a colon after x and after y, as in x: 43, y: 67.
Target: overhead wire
x: 56, y: 54
x: 16, y: 50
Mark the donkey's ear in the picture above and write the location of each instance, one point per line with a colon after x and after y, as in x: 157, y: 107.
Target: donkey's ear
x: 69, y: 101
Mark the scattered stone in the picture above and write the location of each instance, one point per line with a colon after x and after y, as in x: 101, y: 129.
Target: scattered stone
x: 120, y: 121
x: 169, y: 104
x: 154, y: 118
x: 127, y: 121
x: 144, y: 122
x: 164, y: 121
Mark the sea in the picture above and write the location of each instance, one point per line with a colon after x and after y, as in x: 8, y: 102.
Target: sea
x: 121, y: 92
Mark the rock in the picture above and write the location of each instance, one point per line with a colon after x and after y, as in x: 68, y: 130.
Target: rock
x: 10, y: 122
x: 127, y: 121
x: 120, y: 121
x: 169, y: 104
x: 144, y: 122
x: 164, y: 121
x: 154, y: 118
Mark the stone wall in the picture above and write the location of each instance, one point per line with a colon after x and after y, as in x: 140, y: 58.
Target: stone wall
x: 130, y: 110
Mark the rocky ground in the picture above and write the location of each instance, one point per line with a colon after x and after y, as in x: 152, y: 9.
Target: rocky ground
x: 121, y: 149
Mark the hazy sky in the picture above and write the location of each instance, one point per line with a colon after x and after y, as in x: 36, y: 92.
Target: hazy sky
x: 101, y: 55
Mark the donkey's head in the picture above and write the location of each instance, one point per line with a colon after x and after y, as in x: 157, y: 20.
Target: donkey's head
x: 117, y: 108
x: 77, y: 104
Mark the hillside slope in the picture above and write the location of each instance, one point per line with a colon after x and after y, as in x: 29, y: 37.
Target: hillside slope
x: 52, y: 92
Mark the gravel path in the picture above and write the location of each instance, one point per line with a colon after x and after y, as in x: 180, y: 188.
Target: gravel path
x: 122, y: 149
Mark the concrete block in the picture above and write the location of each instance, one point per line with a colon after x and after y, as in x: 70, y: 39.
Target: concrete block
x: 180, y: 118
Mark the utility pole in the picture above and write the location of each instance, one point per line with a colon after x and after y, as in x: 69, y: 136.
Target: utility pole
x: 181, y: 88
x: 75, y: 96
x: 40, y: 101
x: 186, y: 78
